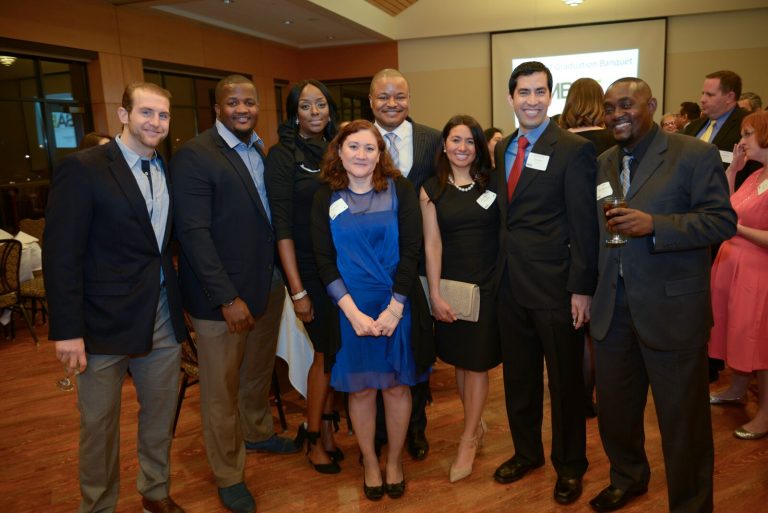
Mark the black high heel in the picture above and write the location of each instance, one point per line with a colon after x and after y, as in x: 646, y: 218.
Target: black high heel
x: 334, y: 418
x: 311, y: 438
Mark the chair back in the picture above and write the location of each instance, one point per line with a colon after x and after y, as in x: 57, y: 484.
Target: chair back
x: 33, y: 227
x: 10, y: 260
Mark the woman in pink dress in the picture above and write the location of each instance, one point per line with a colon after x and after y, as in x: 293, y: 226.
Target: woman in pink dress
x: 740, y: 281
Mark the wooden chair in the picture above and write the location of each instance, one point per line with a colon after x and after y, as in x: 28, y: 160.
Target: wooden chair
x: 191, y: 375
x: 34, y: 290
x: 10, y: 292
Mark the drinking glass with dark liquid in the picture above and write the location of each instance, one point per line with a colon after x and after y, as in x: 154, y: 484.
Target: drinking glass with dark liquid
x: 616, y: 240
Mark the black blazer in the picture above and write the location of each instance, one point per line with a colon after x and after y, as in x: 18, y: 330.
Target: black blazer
x: 101, y: 262
x: 666, y: 276
x: 549, y: 233
x: 426, y: 145
x: 726, y: 138
x: 227, y: 242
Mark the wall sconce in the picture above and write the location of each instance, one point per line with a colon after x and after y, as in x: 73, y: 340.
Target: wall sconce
x: 7, y: 60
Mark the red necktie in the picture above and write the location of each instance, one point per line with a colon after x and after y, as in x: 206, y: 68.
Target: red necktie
x: 517, y: 167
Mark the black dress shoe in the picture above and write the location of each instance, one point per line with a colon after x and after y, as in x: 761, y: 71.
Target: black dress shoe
x: 373, y: 493
x: 512, y: 470
x: 418, y: 447
x: 612, y: 498
x: 395, y: 491
x: 567, y: 489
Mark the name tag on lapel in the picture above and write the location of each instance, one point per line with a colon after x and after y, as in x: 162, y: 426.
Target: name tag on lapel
x: 537, y: 161
x: 486, y: 199
x: 762, y: 187
x: 726, y: 156
x: 336, y: 208
x: 604, y: 190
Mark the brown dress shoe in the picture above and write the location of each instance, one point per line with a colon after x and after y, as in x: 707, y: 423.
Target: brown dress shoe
x: 162, y: 506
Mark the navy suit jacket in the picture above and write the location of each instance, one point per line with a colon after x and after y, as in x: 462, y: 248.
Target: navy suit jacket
x: 227, y: 241
x: 101, y: 262
x: 426, y: 144
x: 548, y: 232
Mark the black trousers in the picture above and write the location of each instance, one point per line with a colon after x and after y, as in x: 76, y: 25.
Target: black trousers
x: 624, y: 369
x: 529, y: 338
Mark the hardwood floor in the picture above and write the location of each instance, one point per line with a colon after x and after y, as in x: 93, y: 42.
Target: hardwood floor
x: 39, y: 432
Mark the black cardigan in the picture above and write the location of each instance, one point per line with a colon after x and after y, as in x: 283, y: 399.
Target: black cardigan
x: 406, y: 280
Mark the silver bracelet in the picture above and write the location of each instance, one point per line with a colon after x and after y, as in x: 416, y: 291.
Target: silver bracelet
x: 395, y: 314
x: 299, y: 295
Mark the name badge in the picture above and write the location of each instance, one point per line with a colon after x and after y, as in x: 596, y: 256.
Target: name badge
x: 486, y: 199
x: 537, y: 161
x: 604, y: 190
x: 762, y: 187
x: 726, y: 156
x: 336, y: 208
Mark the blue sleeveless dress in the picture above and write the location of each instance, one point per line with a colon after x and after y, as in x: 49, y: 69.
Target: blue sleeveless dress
x: 367, y: 247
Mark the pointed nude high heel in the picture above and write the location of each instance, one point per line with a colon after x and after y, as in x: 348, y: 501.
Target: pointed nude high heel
x: 457, y: 473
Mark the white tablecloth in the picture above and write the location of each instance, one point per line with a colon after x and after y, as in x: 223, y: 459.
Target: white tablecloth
x: 294, y: 347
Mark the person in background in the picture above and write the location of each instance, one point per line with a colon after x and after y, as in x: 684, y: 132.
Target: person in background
x: 669, y: 122
x: 689, y: 111
x: 412, y: 148
x: 739, y: 277
x: 366, y: 234
x: 583, y: 115
x: 232, y: 290
x: 292, y: 174
x: 750, y: 102
x: 114, y: 299
x: 493, y: 135
x: 94, y: 139
x: 461, y: 223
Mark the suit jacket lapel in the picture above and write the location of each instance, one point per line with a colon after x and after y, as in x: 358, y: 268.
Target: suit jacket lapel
x: 242, y: 171
x: 501, y: 172
x: 169, y: 221
x: 127, y: 183
x: 419, y: 147
x: 612, y: 171
x: 654, y: 157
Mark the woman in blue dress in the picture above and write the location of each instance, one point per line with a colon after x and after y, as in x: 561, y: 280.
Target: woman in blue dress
x: 366, y: 233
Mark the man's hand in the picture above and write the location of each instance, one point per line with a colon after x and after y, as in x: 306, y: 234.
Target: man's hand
x: 580, y: 309
x: 629, y: 222
x: 238, y: 316
x: 72, y: 354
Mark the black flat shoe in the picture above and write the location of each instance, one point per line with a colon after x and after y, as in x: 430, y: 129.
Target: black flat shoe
x: 395, y: 491
x: 418, y: 446
x: 567, y: 489
x: 612, y: 498
x: 373, y: 493
x: 336, y: 454
x: 513, y: 470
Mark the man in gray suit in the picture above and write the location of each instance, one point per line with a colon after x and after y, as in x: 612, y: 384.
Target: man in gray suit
x: 413, y: 148
x: 651, y: 313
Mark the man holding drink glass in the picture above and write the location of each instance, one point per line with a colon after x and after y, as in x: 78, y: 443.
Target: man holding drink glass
x: 651, y: 314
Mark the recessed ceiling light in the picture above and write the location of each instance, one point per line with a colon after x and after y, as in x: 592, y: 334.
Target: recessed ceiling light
x: 573, y: 3
x: 227, y: 2
x: 331, y: 37
x: 288, y: 22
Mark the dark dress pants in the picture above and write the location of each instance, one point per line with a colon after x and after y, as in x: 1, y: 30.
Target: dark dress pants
x: 624, y: 368
x: 529, y: 337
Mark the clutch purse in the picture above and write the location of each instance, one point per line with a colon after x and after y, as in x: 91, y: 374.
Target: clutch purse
x: 463, y: 298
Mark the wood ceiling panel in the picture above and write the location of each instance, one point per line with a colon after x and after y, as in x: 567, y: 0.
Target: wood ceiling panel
x: 392, y: 7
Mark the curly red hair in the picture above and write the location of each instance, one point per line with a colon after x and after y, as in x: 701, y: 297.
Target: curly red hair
x: 333, y: 172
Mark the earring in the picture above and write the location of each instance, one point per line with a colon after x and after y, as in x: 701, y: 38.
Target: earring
x: 297, y: 121
x: 443, y: 149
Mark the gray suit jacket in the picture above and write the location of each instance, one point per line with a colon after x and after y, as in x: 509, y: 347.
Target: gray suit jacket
x: 681, y: 184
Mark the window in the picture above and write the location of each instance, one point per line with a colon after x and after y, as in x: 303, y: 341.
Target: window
x: 42, y: 105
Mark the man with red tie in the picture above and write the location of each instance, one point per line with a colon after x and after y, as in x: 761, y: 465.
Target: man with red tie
x: 547, y: 271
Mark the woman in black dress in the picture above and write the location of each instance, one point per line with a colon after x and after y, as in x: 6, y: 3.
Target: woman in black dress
x: 292, y: 177
x: 461, y: 222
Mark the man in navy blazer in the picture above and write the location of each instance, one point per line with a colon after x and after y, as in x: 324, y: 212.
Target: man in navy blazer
x: 651, y: 314
x: 413, y: 148
x: 230, y: 286
x: 114, y: 300
x: 547, y: 274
